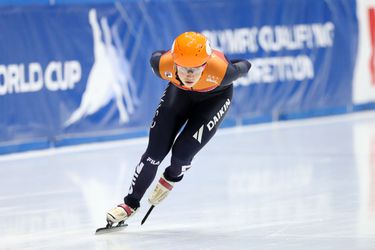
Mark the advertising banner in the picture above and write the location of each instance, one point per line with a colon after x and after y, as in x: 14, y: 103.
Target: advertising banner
x: 302, y: 55
x: 80, y: 73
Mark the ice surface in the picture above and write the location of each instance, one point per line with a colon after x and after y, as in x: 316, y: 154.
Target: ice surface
x: 298, y: 185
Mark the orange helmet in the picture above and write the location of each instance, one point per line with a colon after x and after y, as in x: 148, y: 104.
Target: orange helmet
x: 191, y: 49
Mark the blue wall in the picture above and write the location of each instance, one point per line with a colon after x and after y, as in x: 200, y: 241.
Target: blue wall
x: 79, y: 73
x: 55, y: 2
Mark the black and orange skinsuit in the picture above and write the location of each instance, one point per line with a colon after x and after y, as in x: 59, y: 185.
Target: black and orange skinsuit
x: 201, y: 109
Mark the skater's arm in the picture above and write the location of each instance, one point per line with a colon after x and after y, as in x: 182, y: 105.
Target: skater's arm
x: 154, y: 61
x: 236, y: 68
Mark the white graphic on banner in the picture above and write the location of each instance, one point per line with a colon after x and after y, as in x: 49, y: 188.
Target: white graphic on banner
x: 364, y: 74
x: 276, y: 38
x: 110, y: 76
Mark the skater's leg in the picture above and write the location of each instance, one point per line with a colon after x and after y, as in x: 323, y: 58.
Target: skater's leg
x: 170, y: 116
x: 197, y: 132
x: 168, y: 120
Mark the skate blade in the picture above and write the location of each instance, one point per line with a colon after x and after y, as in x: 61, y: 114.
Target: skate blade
x: 107, y: 229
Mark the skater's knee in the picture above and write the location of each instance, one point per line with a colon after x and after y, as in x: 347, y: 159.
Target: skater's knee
x: 182, y: 154
x: 181, y: 160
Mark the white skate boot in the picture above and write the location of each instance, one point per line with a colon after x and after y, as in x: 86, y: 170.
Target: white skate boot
x: 116, y: 215
x: 120, y: 213
x: 161, y: 191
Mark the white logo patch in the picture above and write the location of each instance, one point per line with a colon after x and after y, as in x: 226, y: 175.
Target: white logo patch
x: 216, y: 118
x: 212, y: 78
x: 198, y: 135
x: 168, y: 74
x: 184, y: 169
x: 138, y: 170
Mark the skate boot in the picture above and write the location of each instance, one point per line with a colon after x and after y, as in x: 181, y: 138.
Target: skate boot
x: 120, y: 213
x: 161, y: 191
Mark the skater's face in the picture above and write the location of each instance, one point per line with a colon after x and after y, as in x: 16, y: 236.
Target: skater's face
x: 190, y: 76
